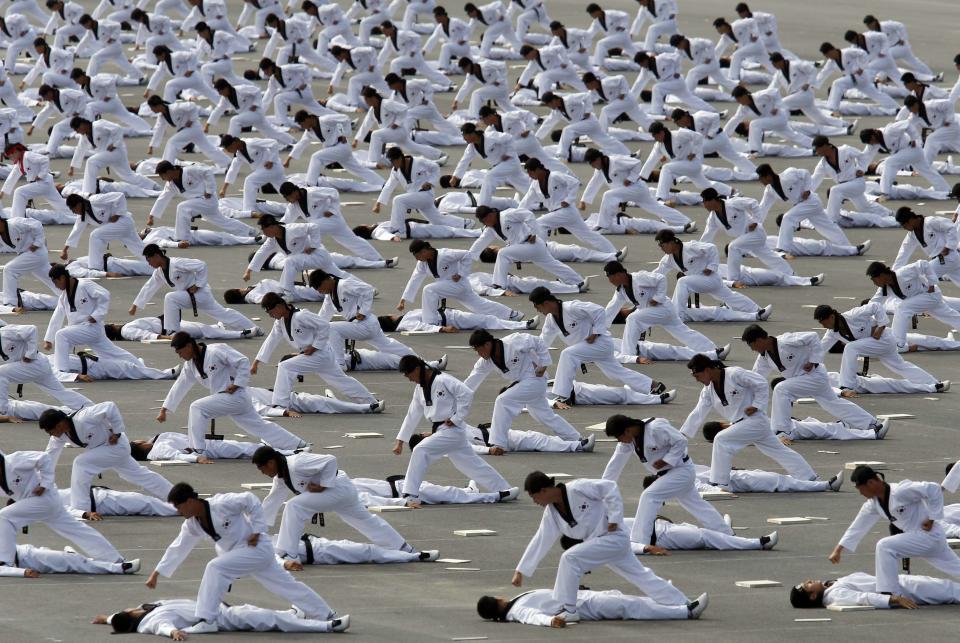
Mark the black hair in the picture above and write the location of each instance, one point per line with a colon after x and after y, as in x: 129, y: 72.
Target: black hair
x: 488, y: 607
x: 826, y: 48
x: 592, y: 154
x: 480, y: 337
x: 711, y: 429
x: 139, y: 452
x: 850, y: 35
x: 488, y: 255
x: 876, y: 269
x: 656, y: 127
x: 863, y: 474
x: 665, y: 236
x: 820, y: 141
x: 181, y: 339
x: 740, y: 91
x: 58, y: 270
x: 152, y: 249
x: 271, y: 300
x: 765, y: 170
x: 710, y: 194
x: 537, y: 481
x: 233, y: 296
x: 180, y: 493
x: 287, y: 188
x: 267, y: 220
x: 125, y: 622
x: 800, y: 598
x: 410, y: 363
x: 50, y: 418
x: 264, y: 455
x: 905, y: 214
x: 752, y: 333
x: 394, y: 154
x: 618, y: 424
x: 614, y: 268
x: 700, y: 362
x: 541, y: 294
x: 823, y: 311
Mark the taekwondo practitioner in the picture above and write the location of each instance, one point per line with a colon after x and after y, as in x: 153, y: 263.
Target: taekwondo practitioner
x: 32, y: 562
x: 585, y: 330
x: 624, y: 176
x: 484, y: 81
x: 183, y: 67
x: 615, y: 92
x: 647, y: 291
x: 445, y: 401
x: 353, y: 300
x: 745, y: 35
x: 452, y: 321
x: 813, y: 429
x: 613, y: 27
x: 705, y: 62
x: 853, y: 64
x: 318, y: 486
x: 663, y: 452
x: 844, y: 164
x: 332, y: 132
x: 105, y: 139
x: 388, y: 491
x: 799, y: 357
x: 187, y: 278
x: 936, y: 115
x: 34, y: 168
x: 235, y: 523
x: 521, y: 359
x: 24, y: 237
x: 394, y: 127
x: 861, y: 589
x: 914, y: 290
x: 170, y: 445
x: 715, y: 140
x: 698, y: 265
x: 247, y: 102
x: 69, y: 103
x: 454, y: 31
x: 897, y: 140
x: 577, y: 110
x: 225, y: 372
x: 197, y: 186
x: 497, y: 149
x: 366, y: 72
x: 83, y: 305
x: 172, y: 618
x: 53, y: 67
x: 756, y: 480
x: 915, y: 509
x: 303, y: 403
x: 29, y: 482
x: 321, y: 206
x: 105, y: 501
x: 103, y: 40
x: 899, y: 42
x: 151, y: 328
x: 315, y: 550
x: 262, y: 156
x: 526, y: 441
x: 451, y: 270
x: 309, y: 333
x: 670, y: 536
x: 681, y: 152
x: 936, y: 237
x: 794, y: 186
x: 798, y: 78
x: 521, y: 124
x: 591, y: 513
x: 105, y: 100
x: 519, y: 231
x: 288, y: 85
x: 766, y: 113
x: 739, y: 219
x: 664, y: 70
x: 108, y: 214
x: 23, y: 364
x: 538, y: 607
x: 863, y: 332
x: 418, y: 177
x: 184, y: 118
x: 741, y: 397
x: 99, y: 430
x: 496, y: 24
x: 557, y: 193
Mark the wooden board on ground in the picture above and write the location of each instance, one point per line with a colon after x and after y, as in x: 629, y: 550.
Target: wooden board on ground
x: 469, y: 533
x: 755, y: 584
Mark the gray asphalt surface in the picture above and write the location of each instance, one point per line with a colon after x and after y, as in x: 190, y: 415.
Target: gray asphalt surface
x: 431, y: 602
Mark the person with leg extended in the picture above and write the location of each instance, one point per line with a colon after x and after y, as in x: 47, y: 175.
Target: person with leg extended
x: 317, y: 486
x: 860, y: 588
x: 322, y: 206
x: 936, y: 237
x: 914, y: 289
x: 99, y: 430
x: 111, y: 221
x: 663, y: 452
x: 23, y: 364
x: 591, y: 513
x: 445, y: 401
x: 225, y: 372
x: 915, y: 512
x: 522, y: 359
x: 236, y: 525
x: 741, y: 397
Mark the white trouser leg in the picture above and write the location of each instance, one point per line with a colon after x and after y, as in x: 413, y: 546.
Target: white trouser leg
x: 324, y: 364
x: 462, y: 292
x: 815, y: 384
x: 536, y: 253
x: 238, y: 407
x: 450, y: 442
x: 931, y: 546
x: 117, y: 457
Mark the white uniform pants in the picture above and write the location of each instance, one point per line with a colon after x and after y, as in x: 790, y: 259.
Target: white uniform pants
x: 259, y: 122
x: 499, y: 94
x: 710, y: 70
x: 931, y: 546
x: 336, y: 228
x: 48, y: 510
x: 535, y: 253
x: 402, y: 138
x: 931, y: 303
x: 294, y: 265
x: 123, y: 230
x: 588, y: 126
x: 684, y: 536
x: 540, y: 442
x: 115, y: 54
x: 779, y: 125
x: 693, y: 171
x: 323, y: 363
x: 914, y: 158
x: 249, y: 618
x: 615, y: 40
x: 117, y: 457
x: 600, y: 353
x: 259, y: 563
x: 507, y: 172
x: 664, y: 315
x: 368, y: 331
x: 85, y: 334
x: 287, y: 98
x: 118, y: 162
x: 811, y: 210
x: 947, y: 137
x: 677, y: 87
x: 866, y: 87
x: 680, y: 484
x: 340, y: 153
x: 38, y: 372
x: 461, y: 291
x: 530, y: 393
x: 239, y: 408
x: 805, y: 101
x: 710, y: 285
x: 612, y: 550
x: 753, y: 244
x: 884, y: 349
x: 49, y: 561
x: 814, y: 384
x: 27, y: 263
x: 177, y: 301
x: 34, y: 190
x: 209, y: 211
x: 570, y: 219
x: 639, y: 195
x: 754, y: 430
x: 450, y: 441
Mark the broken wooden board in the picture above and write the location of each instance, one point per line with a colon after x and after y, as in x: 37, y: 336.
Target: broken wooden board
x: 453, y: 561
x: 469, y: 533
x: 599, y: 426
x: 789, y: 520
x: 256, y: 485
x: 168, y: 463
x: 560, y: 476
x: 896, y: 416
x: 755, y: 584
x: 850, y: 608
x: 379, y: 509
x: 361, y: 435
x: 812, y: 620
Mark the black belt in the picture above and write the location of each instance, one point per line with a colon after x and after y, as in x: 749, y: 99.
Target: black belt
x: 309, y: 554
x: 660, y: 474
x: 437, y: 425
x: 193, y: 302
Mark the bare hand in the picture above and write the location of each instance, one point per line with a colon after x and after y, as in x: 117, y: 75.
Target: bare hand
x: 133, y: 310
x: 397, y: 447
x: 47, y: 346
x: 253, y: 539
x: 152, y: 580
x: 92, y: 516
x: 31, y: 573
x: 178, y: 635
x: 834, y: 556
x: 402, y: 304
x: 230, y: 390
x: 293, y: 565
x: 254, y: 366
x: 591, y: 338
x: 315, y: 488
x: 557, y: 623
x: 496, y: 451
x: 903, y: 602
x: 39, y: 491
x: 927, y: 525
x: 750, y: 410
x: 162, y: 416
x: 517, y: 579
